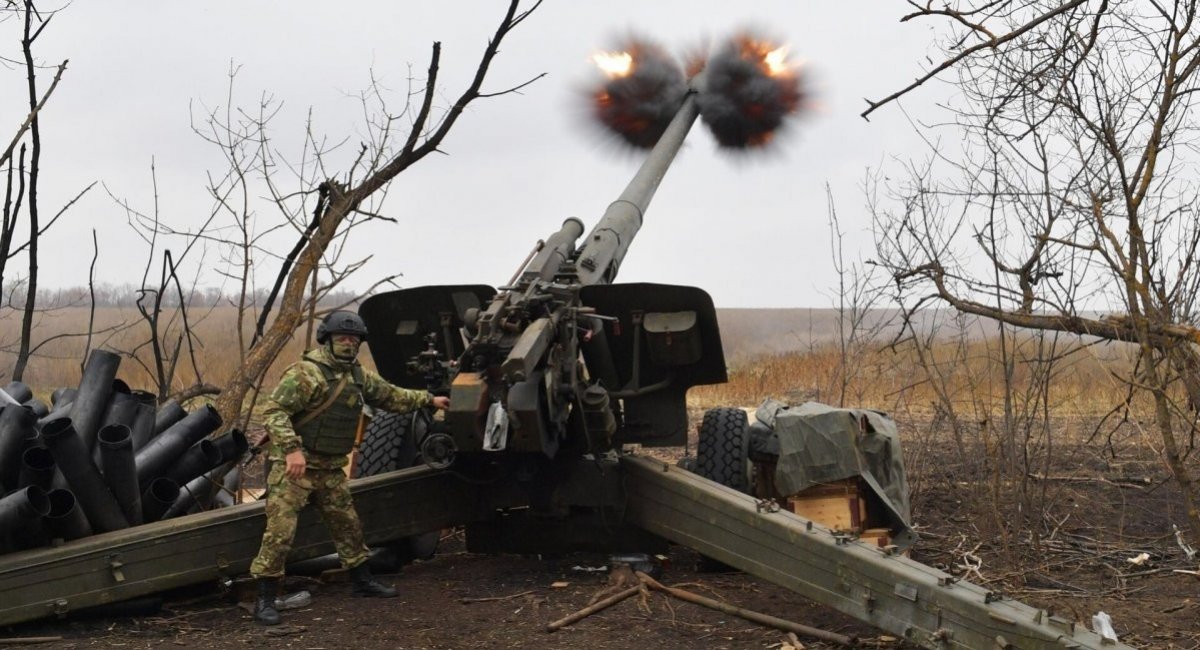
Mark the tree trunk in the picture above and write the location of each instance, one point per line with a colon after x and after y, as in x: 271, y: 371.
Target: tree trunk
x: 1166, y: 430
x: 230, y: 402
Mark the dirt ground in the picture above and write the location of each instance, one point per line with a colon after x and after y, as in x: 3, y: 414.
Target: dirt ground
x: 1102, y: 506
x: 463, y: 600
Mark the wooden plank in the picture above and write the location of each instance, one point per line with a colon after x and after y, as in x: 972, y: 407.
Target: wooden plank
x: 839, y: 512
x: 845, y: 487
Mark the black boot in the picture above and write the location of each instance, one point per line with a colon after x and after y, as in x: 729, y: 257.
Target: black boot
x: 362, y: 583
x: 264, y: 608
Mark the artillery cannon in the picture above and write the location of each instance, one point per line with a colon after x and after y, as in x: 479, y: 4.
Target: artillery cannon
x: 560, y: 362
x: 552, y: 376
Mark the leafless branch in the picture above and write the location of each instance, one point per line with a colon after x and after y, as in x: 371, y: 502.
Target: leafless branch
x: 991, y: 43
x: 29, y: 119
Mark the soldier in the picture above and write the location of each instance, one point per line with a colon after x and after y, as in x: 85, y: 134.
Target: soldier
x: 312, y: 418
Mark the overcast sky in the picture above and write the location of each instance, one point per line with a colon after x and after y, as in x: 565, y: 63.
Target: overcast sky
x: 752, y: 232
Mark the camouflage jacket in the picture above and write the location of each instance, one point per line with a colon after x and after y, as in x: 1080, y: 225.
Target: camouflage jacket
x: 303, y: 387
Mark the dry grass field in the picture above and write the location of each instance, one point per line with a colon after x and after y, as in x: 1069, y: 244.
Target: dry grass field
x: 788, y: 354
x: 217, y: 342
x: 960, y: 369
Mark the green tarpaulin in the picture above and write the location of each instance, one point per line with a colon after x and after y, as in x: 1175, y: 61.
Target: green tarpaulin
x: 822, y: 444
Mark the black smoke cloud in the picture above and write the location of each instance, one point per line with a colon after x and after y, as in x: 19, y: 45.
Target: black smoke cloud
x: 742, y: 103
x: 639, y: 106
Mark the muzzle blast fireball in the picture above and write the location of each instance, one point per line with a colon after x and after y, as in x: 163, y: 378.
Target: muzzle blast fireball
x: 745, y: 91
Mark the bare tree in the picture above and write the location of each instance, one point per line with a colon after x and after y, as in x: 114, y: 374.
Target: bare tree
x: 26, y: 143
x: 860, y: 321
x: 163, y: 305
x: 343, y: 198
x: 1072, y: 206
x: 304, y: 197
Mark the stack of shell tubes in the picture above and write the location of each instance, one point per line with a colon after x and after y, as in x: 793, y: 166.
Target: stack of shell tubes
x: 103, y: 457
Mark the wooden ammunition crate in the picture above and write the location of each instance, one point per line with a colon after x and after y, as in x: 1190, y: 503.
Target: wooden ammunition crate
x: 840, y: 505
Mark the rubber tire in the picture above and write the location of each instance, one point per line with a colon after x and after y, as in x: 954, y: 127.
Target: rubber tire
x: 721, y: 457
x: 721, y: 451
x: 388, y: 445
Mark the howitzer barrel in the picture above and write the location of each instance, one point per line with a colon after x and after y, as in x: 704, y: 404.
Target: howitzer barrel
x: 609, y: 240
x: 553, y: 252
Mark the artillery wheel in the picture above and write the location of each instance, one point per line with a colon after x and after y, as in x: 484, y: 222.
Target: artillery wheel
x: 721, y: 452
x: 721, y: 457
x: 389, y: 444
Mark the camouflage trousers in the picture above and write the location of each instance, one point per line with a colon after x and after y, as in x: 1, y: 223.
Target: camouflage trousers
x: 287, y: 497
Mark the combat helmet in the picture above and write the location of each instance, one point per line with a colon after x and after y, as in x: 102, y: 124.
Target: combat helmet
x: 341, y: 322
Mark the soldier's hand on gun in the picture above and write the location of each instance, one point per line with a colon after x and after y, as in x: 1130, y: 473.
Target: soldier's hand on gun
x: 441, y: 402
x: 295, y: 464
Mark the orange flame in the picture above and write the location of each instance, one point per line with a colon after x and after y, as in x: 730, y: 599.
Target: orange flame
x: 776, y: 61
x: 772, y: 58
x: 614, y: 64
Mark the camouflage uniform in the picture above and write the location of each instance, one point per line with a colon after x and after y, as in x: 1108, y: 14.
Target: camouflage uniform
x: 303, y: 388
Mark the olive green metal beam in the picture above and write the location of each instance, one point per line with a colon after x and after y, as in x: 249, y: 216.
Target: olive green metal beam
x: 889, y: 591
x: 221, y: 543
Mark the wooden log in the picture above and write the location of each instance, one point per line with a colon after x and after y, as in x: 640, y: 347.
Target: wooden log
x: 756, y: 617
x: 592, y: 609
